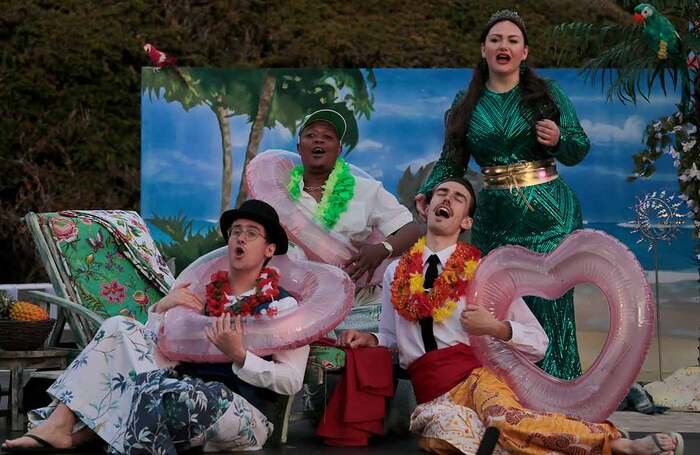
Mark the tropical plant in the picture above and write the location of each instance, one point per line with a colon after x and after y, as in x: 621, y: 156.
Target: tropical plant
x: 186, y: 245
x: 633, y: 59
x: 69, y: 116
x: 289, y: 94
x: 266, y: 97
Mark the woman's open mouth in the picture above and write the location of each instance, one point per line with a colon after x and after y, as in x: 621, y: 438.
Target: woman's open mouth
x: 503, y: 58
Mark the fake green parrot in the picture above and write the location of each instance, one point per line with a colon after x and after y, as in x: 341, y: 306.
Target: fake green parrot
x: 659, y: 33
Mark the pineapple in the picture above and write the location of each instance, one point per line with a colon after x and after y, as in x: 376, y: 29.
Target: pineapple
x: 25, y: 311
x: 20, y: 310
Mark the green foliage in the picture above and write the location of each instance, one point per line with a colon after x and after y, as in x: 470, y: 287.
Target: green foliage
x: 70, y: 78
x: 297, y: 92
x: 186, y: 246
x: 623, y: 63
x: 292, y: 94
x: 627, y: 64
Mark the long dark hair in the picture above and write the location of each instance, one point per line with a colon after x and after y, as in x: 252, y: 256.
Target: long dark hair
x: 536, y: 101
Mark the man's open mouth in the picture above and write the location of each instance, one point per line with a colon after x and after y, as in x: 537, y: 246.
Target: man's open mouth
x: 238, y: 251
x: 317, y: 151
x: 443, y: 211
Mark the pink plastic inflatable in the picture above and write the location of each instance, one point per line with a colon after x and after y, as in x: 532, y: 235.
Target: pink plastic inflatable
x: 325, y: 296
x: 586, y: 256
x: 267, y: 176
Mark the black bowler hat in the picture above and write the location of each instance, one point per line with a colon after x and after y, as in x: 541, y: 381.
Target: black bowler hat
x: 260, y: 212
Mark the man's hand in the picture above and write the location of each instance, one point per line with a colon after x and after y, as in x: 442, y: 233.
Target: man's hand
x: 476, y: 320
x: 366, y: 260
x: 228, y: 338
x: 355, y: 339
x: 179, y: 296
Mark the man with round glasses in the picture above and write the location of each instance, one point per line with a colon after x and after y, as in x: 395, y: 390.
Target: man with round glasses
x: 122, y: 390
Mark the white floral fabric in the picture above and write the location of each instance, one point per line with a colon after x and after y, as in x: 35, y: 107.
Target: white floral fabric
x: 122, y: 388
x: 448, y: 421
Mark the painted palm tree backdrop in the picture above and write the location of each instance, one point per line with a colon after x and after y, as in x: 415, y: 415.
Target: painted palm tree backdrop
x: 265, y: 98
x: 201, y: 127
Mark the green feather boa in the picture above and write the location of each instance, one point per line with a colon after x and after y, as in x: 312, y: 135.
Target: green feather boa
x: 337, y: 192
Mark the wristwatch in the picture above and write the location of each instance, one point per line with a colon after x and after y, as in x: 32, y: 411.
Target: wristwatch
x: 387, y: 246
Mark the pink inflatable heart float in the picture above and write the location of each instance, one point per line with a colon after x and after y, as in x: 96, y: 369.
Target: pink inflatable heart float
x: 267, y: 176
x: 325, y: 296
x: 585, y: 256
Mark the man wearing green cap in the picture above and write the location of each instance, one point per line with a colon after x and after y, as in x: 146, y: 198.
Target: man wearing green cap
x: 352, y: 207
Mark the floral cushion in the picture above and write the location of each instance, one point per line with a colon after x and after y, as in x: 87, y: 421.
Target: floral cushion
x: 129, y: 230
x: 99, y: 269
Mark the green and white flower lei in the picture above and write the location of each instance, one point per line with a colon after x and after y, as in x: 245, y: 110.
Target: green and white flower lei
x: 337, y: 192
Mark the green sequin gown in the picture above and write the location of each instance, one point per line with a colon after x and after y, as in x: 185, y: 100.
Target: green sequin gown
x: 500, y: 134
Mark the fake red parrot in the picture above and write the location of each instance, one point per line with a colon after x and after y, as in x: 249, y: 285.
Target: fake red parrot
x: 158, y: 58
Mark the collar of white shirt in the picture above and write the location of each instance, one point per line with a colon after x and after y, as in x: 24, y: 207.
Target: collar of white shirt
x: 233, y: 299
x: 444, y: 254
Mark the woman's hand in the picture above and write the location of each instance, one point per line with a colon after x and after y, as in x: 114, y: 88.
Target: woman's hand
x: 547, y: 133
x: 228, y: 338
x: 181, y: 296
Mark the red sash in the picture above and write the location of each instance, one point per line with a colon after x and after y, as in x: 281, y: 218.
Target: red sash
x: 437, y: 372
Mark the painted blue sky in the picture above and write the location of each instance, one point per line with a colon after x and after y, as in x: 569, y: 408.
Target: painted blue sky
x: 181, y: 151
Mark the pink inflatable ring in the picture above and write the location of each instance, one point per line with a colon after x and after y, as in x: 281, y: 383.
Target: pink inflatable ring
x: 585, y: 256
x: 267, y: 176
x: 324, y: 293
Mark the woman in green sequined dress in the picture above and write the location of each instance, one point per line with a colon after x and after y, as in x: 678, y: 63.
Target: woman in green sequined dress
x: 511, y: 117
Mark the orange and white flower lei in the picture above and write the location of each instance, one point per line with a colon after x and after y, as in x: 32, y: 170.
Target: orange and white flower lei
x: 408, y: 295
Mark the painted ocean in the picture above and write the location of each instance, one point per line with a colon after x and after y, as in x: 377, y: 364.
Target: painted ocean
x: 675, y: 256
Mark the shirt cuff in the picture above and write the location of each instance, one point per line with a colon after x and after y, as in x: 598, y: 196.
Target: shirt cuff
x: 381, y: 341
x: 396, y: 223
x: 154, y: 321
x: 252, y: 364
x: 517, y: 335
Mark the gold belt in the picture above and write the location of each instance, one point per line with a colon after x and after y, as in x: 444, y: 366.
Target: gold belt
x: 515, y: 176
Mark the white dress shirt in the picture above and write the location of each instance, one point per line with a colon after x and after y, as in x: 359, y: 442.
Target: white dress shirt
x: 283, y: 374
x: 370, y: 207
x: 395, y: 331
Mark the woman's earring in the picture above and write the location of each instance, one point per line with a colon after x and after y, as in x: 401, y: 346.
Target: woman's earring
x: 523, y: 67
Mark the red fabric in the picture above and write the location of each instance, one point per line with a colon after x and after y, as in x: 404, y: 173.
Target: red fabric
x: 356, y: 409
x: 437, y: 372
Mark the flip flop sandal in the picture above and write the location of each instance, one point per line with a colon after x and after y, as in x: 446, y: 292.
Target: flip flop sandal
x: 44, y: 447
x: 679, y: 443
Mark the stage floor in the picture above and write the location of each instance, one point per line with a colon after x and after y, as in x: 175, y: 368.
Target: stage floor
x: 302, y: 440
